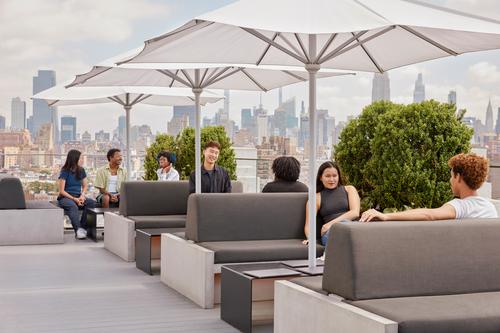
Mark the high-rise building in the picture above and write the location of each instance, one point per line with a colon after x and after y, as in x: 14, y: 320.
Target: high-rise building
x: 122, y: 127
x: 2, y: 122
x: 419, y: 92
x: 452, y: 97
x: 226, y: 103
x: 489, y: 118
x: 497, y: 128
x: 246, y: 118
x: 177, y: 124
x: 45, y: 137
x: 68, y: 129
x: 29, y: 124
x: 102, y: 136
x: 188, y: 110
x: 381, y: 87
x: 86, y: 138
x: 42, y: 112
x: 18, y: 114
x: 280, y: 96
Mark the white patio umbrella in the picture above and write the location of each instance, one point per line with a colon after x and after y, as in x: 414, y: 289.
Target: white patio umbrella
x: 197, y: 77
x: 125, y: 96
x: 364, y: 35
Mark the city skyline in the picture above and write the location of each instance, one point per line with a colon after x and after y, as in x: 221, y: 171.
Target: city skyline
x: 473, y: 76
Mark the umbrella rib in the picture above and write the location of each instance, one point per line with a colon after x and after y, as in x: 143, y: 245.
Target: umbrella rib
x: 273, y: 43
x: 326, y: 46
x: 212, y: 74
x: 302, y: 47
x: 203, y: 76
x: 219, y: 76
x: 141, y: 98
x: 430, y: 41
x: 253, y: 80
x: 173, y: 80
x: 74, y: 83
x: 345, y: 49
x: 173, y: 76
x: 293, y: 47
x: 116, y: 99
x: 294, y: 75
x: 267, y: 49
x: 341, y: 47
x: 186, y: 75
x: 370, y: 56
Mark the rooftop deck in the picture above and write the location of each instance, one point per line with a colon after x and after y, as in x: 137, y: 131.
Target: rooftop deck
x: 80, y: 287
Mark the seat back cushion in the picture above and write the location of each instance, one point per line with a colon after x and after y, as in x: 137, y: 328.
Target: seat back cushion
x: 400, y: 259
x: 11, y: 193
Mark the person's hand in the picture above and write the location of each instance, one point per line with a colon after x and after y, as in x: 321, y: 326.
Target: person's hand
x: 325, y: 228
x: 372, y: 215
x: 114, y: 198
x: 81, y: 200
x: 305, y: 242
x: 167, y: 169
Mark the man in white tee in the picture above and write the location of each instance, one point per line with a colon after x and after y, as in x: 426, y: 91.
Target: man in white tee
x: 467, y: 173
x: 109, y: 179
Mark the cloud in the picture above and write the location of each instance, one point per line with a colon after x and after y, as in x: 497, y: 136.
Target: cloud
x: 484, y: 73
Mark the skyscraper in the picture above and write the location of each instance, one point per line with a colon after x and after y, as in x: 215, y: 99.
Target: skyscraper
x: 188, y: 110
x: 226, y: 103
x: 2, y: 122
x: 452, y: 97
x: 246, y: 118
x: 18, y: 114
x: 42, y: 112
x: 497, y: 128
x: 381, y: 87
x: 419, y: 92
x: 280, y: 96
x: 122, y: 124
x: 68, y: 129
x: 489, y: 118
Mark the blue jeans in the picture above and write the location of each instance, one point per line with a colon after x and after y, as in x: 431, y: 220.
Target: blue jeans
x: 72, y: 210
x: 324, y: 238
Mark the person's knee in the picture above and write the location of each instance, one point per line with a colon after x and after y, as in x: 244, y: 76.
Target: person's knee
x: 90, y: 203
x: 105, y: 200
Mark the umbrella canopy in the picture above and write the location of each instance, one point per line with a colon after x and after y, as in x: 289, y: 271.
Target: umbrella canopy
x: 125, y: 96
x: 197, y: 77
x: 364, y: 35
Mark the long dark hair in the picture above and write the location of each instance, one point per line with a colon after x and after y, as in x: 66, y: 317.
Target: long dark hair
x: 71, y: 163
x: 322, y: 168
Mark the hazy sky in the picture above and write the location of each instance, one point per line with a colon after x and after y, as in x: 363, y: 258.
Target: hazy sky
x: 69, y: 36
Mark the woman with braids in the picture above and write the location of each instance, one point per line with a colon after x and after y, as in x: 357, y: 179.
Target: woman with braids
x: 72, y: 188
x: 286, y: 171
x: 335, y: 202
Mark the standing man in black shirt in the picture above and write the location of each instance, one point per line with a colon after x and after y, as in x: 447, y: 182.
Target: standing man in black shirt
x: 214, y: 179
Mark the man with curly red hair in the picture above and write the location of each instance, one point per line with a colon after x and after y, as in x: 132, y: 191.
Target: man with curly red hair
x: 467, y: 173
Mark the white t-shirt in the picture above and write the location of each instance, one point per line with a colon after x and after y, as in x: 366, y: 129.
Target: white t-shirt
x: 113, y: 184
x: 168, y: 176
x: 473, y: 207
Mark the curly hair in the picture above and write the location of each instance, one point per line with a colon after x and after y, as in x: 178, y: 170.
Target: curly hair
x: 472, y: 168
x: 286, y: 168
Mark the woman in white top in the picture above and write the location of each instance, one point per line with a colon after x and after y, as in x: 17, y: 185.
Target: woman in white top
x: 166, y: 172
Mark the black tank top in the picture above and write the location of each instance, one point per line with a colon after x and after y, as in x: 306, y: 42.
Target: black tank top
x: 334, y: 203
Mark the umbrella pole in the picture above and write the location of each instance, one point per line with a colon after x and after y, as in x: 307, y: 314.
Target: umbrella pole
x: 313, y: 70
x: 127, y: 138
x: 197, y: 135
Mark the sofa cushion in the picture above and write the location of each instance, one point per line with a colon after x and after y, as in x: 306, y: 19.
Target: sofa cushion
x: 245, y: 216
x: 153, y: 198
x: 161, y: 221
x: 311, y: 282
x: 400, y: 259
x: 259, y: 250
x: 11, y: 193
x: 463, y: 313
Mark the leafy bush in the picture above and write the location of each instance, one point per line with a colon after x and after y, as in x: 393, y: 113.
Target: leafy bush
x: 397, y: 155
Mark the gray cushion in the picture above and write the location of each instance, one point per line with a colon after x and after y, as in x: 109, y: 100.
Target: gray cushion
x: 38, y: 204
x: 259, y: 250
x: 466, y: 313
x: 400, y: 259
x: 153, y: 198
x: 11, y: 193
x: 161, y: 221
x: 311, y: 282
x: 236, y: 187
x: 245, y: 216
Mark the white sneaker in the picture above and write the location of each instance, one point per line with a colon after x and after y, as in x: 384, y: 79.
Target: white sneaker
x: 81, y: 233
x: 322, y: 258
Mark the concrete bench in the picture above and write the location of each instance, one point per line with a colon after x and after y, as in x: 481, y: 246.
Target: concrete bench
x: 27, y: 222
x: 406, y: 277
x: 231, y: 228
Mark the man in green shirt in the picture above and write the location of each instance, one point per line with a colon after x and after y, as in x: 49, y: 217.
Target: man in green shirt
x: 109, y: 179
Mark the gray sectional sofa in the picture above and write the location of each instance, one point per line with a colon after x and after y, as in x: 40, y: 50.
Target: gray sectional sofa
x: 231, y: 228
x: 406, y: 277
x: 27, y: 222
x: 145, y: 205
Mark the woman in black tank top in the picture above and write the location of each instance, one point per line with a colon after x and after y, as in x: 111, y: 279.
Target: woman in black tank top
x: 335, y: 201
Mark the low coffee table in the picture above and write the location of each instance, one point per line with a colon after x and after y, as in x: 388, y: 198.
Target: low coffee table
x: 94, y: 231
x: 148, y: 247
x: 241, y: 284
